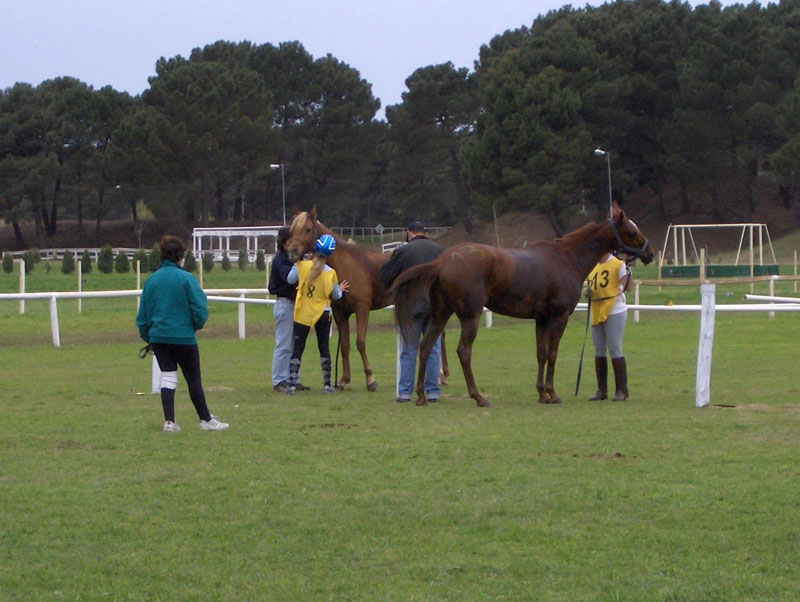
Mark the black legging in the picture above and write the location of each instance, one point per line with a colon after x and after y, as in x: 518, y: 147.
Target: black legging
x: 171, y: 356
x: 323, y: 330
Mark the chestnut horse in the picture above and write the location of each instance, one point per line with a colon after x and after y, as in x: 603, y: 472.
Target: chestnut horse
x: 542, y: 282
x: 360, y: 267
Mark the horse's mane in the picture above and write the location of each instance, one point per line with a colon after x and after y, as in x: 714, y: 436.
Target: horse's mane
x: 340, y: 242
x: 578, y: 234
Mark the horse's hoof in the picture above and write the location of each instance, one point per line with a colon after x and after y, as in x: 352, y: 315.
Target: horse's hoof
x: 373, y: 386
x: 484, y: 404
x: 422, y: 402
x: 549, y: 400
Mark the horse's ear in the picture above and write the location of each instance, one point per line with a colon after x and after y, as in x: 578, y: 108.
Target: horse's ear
x: 313, y: 212
x: 296, y: 212
x: 617, y: 212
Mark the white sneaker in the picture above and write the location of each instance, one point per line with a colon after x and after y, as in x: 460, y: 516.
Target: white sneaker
x: 171, y: 427
x: 213, y: 425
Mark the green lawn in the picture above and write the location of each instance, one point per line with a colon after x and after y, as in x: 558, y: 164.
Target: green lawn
x: 355, y: 497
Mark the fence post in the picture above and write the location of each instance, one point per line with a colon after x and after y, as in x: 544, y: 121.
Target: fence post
x: 80, y: 285
x: 702, y: 396
x: 702, y: 265
x: 772, y: 292
x: 138, y: 282
x: 489, y: 318
x: 54, y: 322
x: 636, y: 302
x: 660, y: 266
x: 241, y: 318
x: 22, y: 285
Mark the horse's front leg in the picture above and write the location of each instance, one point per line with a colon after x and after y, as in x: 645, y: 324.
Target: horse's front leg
x: 343, y: 326
x: 362, y: 321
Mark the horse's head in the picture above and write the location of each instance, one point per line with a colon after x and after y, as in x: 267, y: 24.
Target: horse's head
x: 628, y: 239
x: 302, y: 234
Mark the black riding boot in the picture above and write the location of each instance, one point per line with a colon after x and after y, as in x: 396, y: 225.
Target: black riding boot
x: 601, y: 369
x: 620, y: 378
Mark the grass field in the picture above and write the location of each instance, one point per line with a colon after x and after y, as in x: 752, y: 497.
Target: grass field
x: 354, y: 497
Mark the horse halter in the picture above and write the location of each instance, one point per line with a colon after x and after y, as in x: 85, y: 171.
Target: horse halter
x: 632, y: 253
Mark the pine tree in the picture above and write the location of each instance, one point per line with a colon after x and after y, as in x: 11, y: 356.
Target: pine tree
x: 143, y: 259
x: 31, y: 258
x: 86, y: 262
x: 261, y: 261
x: 242, y: 261
x: 208, y: 261
x: 8, y: 263
x: 121, y: 264
x: 68, y: 263
x: 189, y: 262
x: 226, y: 263
x: 154, y: 260
x: 105, y: 260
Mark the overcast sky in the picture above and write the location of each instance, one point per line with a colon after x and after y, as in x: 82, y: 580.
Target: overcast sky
x: 117, y: 42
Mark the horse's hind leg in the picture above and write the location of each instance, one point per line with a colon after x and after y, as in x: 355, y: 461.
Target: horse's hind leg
x: 555, y: 330
x: 435, y: 328
x: 469, y: 330
x: 362, y: 320
x: 445, y: 371
x: 541, y: 360
x: 548, y: 336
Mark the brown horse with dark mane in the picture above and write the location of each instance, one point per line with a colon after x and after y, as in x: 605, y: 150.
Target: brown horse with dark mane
x: 355, y: 264
x: 542, y: 282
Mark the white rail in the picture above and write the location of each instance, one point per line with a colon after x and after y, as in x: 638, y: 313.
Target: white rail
x: 54, y: 296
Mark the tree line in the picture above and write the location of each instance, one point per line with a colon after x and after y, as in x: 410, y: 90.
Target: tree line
x: 681, y: 97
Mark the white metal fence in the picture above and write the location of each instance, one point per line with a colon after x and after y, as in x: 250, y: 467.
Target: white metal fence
x: 708, y: 309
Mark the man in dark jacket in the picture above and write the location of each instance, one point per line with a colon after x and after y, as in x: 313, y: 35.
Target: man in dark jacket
x: 420, y: 249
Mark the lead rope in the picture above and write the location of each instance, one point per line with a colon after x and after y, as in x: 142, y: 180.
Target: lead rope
x: 583, y: 348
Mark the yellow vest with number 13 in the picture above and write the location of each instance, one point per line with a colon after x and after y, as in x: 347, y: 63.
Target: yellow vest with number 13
x: 603, y: 283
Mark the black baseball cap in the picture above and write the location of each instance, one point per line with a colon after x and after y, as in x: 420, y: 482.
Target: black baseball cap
x: 416, y: 227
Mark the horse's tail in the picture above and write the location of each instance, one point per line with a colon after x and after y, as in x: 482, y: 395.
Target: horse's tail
x: 410, y: 289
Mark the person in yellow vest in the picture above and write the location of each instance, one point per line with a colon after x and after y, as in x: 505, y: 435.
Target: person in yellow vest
x: 608, y: 312
x: 317, y: 284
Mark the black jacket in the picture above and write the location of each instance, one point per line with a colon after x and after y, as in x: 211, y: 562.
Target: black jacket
x: 418, y: 250
x: 281, y: 266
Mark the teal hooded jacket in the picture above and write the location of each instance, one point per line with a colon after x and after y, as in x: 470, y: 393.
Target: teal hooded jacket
x: 172, y: 308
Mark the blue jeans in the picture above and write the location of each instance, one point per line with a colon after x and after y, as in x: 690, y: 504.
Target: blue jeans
x: 408, y: 363
x: 283, y: 310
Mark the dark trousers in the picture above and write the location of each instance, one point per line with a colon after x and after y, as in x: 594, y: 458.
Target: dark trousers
x: 323, y: 330
x: 171, y: 356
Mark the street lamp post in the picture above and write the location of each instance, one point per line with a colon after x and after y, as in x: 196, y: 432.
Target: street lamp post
x: 283, y: 187
x: 599, y: 152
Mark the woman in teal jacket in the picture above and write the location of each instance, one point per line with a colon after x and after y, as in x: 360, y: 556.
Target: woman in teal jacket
x: 172, y: 308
